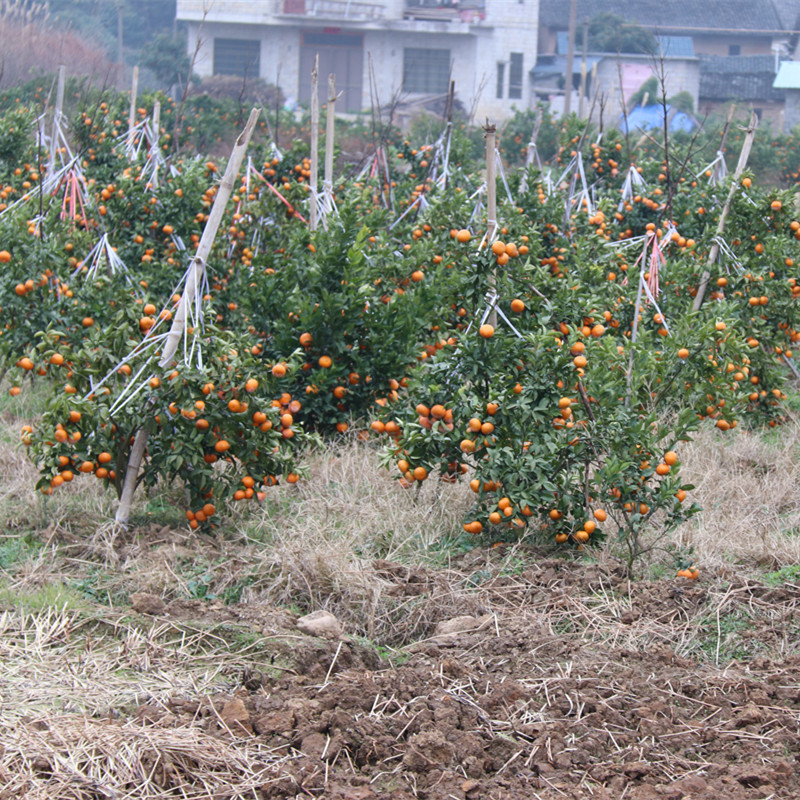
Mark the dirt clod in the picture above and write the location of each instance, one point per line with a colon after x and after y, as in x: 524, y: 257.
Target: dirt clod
x: 146, y: 603
x: 320, y: 623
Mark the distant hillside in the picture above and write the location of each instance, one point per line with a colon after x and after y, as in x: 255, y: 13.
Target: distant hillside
x: 98, y: 20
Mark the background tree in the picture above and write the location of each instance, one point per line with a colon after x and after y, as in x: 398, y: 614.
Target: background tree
x: 609, y: 33
x: 165, y: 55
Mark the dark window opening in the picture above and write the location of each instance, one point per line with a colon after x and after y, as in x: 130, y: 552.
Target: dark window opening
x: 515, y: 76
x: 237, y: 57
x: 426, y: 71
x: 501, y: 74
x: 734, y: 49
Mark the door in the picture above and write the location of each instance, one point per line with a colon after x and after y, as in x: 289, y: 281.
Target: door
x: 339, y: 53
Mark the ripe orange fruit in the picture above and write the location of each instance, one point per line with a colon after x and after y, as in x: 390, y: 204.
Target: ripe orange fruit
x: 251, y: 385
x: 683, y: 353
x: 486, y: 330
x: 222, y: 446
x: 499, y: 248
x: 305, y: 339
x: 517, y: 305
x: 420, y: 473
x: 671, y: 458
x: 463, y: 236
x: 600, y: 515
x: 104, y: 458
x: 580, y: 361
x: 325, y: 361
x: 5, y: 256
x: 87, y: 322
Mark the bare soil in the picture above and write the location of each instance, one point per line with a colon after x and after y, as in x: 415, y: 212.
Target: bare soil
x: 561, y: 680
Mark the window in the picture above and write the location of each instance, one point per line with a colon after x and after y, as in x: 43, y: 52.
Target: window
x: 426, y: 71
x: 237, y: 57
x: 501, y: 74
x: 734, y: 49
x: 515, y: 76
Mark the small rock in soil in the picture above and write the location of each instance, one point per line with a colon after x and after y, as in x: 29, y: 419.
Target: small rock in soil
x: 320, y: 623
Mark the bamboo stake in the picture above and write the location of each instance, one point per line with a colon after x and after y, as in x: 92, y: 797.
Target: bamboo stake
x: 329, y: 132
x: 156, y: 135
x: 314, y: 179
x: 491, y: 203
x: 197, y: 268
x: 491, y: 183
x: 132, y: 109
x: 712, y: 256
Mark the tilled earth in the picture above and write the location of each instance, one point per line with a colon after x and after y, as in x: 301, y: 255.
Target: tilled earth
x: 560, y: 681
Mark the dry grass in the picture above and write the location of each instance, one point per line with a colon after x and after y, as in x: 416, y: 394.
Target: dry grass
x: 80, y: 759
x: 746, y: 484
x: 69, y: 677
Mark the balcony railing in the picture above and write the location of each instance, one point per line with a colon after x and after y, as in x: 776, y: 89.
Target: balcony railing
x: 446, y: 10
x: 333, y: 9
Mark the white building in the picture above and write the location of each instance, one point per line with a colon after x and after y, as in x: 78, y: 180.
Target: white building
x: 487, y: 46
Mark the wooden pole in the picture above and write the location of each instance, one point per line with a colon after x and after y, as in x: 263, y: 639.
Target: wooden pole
x: 573, y: 13
x: 197, y: 268
x: 750, y: 135
x: 131, y: 476
x: 314, y: 179
x: 120, y: 59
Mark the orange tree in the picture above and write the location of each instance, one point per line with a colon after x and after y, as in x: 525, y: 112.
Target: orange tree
x: 571, y: 417
x: 224, y: 433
